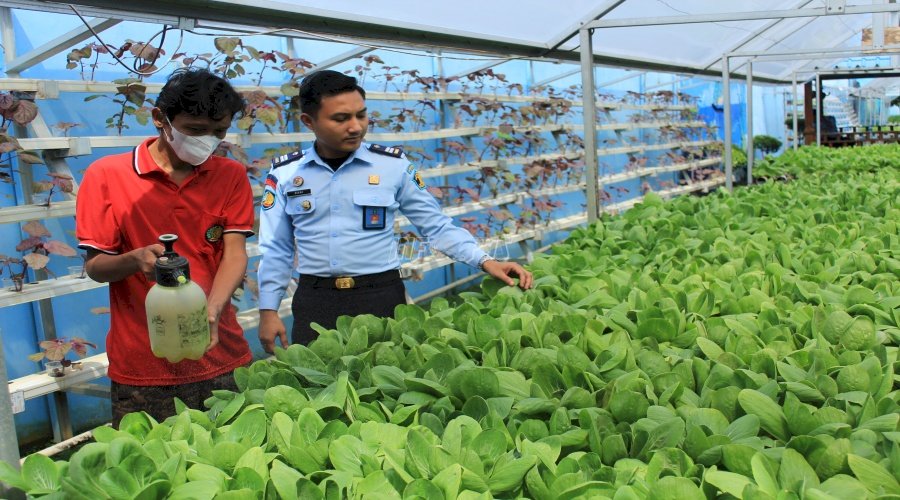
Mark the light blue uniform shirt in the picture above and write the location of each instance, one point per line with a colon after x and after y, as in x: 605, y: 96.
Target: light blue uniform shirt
x: 322, y: 214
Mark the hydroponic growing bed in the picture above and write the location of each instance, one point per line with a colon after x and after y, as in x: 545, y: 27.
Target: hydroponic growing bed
x: 738, y: 345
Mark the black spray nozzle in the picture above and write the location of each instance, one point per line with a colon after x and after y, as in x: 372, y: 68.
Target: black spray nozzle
x: 171, y: 269
x: 168, y: 241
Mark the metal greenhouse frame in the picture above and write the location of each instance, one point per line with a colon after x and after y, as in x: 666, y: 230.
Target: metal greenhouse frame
x: 832, y: 8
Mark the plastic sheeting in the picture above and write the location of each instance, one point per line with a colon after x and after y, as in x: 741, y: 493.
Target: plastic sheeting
x: 542, y: 23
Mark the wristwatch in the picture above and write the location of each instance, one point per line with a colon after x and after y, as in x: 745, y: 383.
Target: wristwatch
x: 483, y: 260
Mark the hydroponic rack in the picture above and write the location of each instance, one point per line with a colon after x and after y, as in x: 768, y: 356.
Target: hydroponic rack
x: 57, y: 149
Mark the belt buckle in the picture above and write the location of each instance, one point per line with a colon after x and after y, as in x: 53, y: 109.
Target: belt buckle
x: 344, y: 283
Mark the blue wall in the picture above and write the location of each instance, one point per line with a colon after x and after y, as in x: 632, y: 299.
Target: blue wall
x: 21, y: 331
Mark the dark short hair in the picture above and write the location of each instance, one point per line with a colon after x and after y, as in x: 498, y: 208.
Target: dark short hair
x: 199, y: 92
x: 325, y: 83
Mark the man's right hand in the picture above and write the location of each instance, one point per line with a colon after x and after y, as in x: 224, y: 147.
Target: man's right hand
x: 145, y: 259
x: 271, y: 326
x: 108, y: 268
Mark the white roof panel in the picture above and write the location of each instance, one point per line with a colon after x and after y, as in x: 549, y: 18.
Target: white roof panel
x: 529, y: 21
x: 528, y: 27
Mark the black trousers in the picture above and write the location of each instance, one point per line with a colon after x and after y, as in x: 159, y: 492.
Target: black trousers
x: 159, y: 400
x: 318, y: 301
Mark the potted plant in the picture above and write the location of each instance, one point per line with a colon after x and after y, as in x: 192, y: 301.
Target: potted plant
x: 16, y: 279
x: 79, y: 271
x: 55, y: 351
x: 44, y: 190
x: 38, y: 247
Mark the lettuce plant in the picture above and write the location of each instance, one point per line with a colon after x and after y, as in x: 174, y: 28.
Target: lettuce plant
x: 734, y: 345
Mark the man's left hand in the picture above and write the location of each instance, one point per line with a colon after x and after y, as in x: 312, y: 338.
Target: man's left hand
x: 213, y: 329
x: 504, y: 270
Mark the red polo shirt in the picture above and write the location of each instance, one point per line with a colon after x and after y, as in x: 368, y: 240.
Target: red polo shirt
x: 125, y: 202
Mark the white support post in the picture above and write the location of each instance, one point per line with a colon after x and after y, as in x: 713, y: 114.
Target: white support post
x: 7, y: 35
x: 726, y: 116
x: 290, y: 47
x: 794, y: 111
x: 878, y: 21
x: 591, y: 166
x: 526, y: 252
x: 9, y: 444
x: 750, y: 151
x: 43, y: 310
x: 444, y: 114
x: 820, y: 102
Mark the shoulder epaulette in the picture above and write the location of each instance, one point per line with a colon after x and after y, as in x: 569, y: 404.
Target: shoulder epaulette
x: 394, y: 151
x: 285, y: 159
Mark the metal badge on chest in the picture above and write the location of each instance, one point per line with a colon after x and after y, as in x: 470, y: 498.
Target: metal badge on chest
x: 214, y: 233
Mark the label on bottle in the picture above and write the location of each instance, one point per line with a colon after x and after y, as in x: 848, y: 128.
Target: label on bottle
x: 159, y: 325
x: 194, y: 328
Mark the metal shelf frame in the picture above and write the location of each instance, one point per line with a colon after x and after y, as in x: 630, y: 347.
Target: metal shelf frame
x: 42, y: 139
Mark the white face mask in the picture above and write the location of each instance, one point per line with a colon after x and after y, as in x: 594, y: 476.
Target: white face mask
x: 192, y: 149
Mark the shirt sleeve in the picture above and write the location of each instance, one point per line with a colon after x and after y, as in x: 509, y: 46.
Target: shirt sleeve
x: 95, y: 222
x: 239, y: 210
x: 276, y: 244
x: 423, y: 210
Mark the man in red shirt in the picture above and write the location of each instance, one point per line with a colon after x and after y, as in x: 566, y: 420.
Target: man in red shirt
x: 170, y: 184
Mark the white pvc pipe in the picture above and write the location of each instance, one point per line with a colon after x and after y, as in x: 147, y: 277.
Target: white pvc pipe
x: 68, y: 443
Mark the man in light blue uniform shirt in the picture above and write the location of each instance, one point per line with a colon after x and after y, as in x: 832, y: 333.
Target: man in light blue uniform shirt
x: 333, y: 207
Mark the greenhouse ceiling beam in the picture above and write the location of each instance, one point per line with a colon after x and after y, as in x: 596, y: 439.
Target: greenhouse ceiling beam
x: 560, y: 76
x: 57, y: 45
x: 740, y: 16
x: 357, y: 27
x: 674, y: 81
x: 798, y: 66
x: 697, y: 84
x: 572, y: 31
x: 843, y: 74
x: 765, y: 51
x: 814, y: 54
x: 817, y: 53
x: 113, y: 11
x: 773, y: 43
x: 761, y: 31
x: 621, y: 79
x: 343, y: 57
x: 481, y: 67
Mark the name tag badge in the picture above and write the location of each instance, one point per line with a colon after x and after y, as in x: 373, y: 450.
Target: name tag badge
x: 374, y: 217
x: 298, y: 192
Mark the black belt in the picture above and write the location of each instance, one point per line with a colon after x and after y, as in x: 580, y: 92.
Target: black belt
x: 349, y: 282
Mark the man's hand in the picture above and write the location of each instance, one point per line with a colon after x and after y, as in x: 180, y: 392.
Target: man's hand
x: 107, y: 268
x: 503, y: 270
x: 214, y: 312
x: 271, y: 326
x: 145, y: 259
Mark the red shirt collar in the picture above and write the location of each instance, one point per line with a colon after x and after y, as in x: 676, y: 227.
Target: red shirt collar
x: 143, y: 163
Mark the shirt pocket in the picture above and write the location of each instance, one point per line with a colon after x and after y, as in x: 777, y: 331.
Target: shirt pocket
x: 376, y: 208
